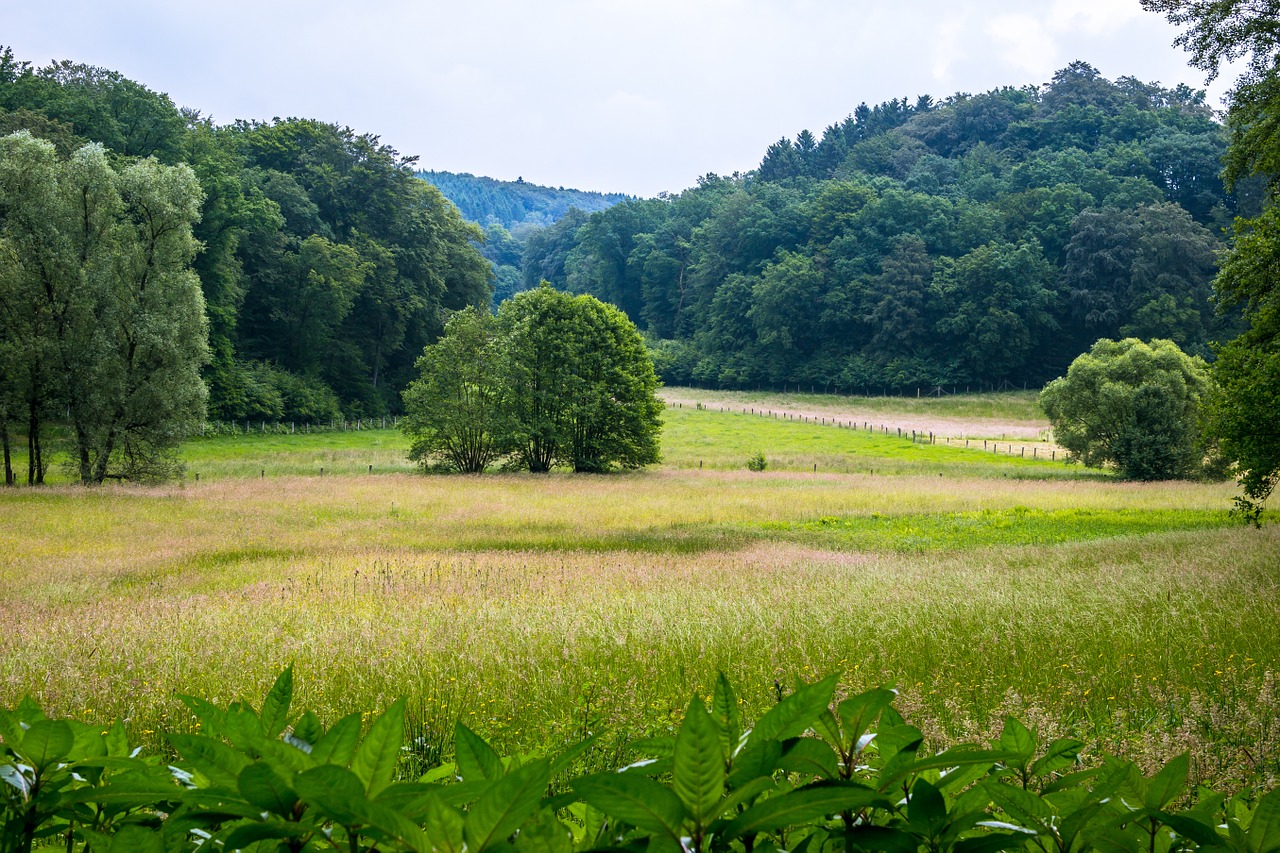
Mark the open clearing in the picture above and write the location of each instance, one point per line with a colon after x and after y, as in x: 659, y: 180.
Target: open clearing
x: 536, y: 608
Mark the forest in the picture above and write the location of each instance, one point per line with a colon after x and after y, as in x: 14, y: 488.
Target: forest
x: 979, y: 240
x: 325, y: 265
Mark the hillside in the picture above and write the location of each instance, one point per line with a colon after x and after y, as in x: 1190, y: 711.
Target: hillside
x: 980, y: 240
x: 514, y: 204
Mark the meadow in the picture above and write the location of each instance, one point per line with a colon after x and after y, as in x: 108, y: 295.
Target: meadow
x: 536, y: 608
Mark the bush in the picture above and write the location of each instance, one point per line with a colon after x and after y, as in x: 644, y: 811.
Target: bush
x: 757, y: 463
x: 811, y: 774
x: 1134, y: 406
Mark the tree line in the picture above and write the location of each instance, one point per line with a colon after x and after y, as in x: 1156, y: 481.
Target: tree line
x: 976, y: 240
x: 322, y: 265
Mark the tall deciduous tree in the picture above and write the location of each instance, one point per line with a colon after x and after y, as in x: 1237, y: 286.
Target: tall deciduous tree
x: 109, y: 318
x: 1242, y: 411
x: 454, y: 409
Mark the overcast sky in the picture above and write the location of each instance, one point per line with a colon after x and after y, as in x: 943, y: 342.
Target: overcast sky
x: 635, y: 96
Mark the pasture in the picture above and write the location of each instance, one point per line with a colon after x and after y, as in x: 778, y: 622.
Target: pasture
x: 537, y: 608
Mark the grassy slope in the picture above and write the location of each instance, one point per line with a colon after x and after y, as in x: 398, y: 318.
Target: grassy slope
x: 535, y: 607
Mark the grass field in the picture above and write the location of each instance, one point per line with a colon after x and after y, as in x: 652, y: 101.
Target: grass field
x: 536, y: 608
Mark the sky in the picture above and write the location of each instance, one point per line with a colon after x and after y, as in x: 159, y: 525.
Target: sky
x: 634, y: 96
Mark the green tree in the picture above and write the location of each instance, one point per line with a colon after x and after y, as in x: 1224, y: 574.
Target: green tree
x: 455, y: 409
x: 1242, y: 409
x: 1131, y: 405
x: 581, y: 386
x: 114, y: 315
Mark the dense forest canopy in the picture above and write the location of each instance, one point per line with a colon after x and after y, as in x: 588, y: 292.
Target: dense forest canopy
x: 326, y: 265
x: 981, y: 239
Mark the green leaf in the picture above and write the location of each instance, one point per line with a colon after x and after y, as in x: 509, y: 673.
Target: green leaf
x: 810, y: 757
x: 375, y: 760
x: 1062, y: 753
x: 724, y: 708
x: 275, y: 708
x: 339, y: 743
x: 958, y: 756
x: 263, y: 787
x: 927, y: 810
x: 1018, y: 739
x: 633, y: 799
x: 565, y: 759
x: 794, y: 715
x: 308, y: 729
x: 803, y: 805
x: 757, y: 759
x: 991, y: 842
x: 506, y: 805
x: 249, y: 833
x: 117, y: 741
x: 857, y: 713
x: 216, y: 761
x: 334, y: 791
x: 208, y: 713
x: 1188, y: 827
x: 545, y: 835
x: 699, y: 772
x: 1169, y: 782
x: 476, y: 760
x: 46, y: 743
x: 1025, y: 807
x: 1264, y: 825
x: 444, y: 826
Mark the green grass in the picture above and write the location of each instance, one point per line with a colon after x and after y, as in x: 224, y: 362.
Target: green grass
x: 1010, y: 406
x: 535, y: 608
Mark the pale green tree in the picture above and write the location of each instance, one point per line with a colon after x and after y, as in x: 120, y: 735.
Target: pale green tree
x: 110, y: 317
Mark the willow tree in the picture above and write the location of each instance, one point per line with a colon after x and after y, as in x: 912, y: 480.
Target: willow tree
x: 106, y: 319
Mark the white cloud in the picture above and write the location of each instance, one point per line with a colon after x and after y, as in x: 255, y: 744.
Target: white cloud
x: 1025, y: 44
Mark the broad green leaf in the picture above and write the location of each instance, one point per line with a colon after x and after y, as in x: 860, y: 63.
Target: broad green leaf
x: 46, y: 743
x: 212, y: 758
x: 810, y: 757
x: 633, y: 799
x: 506, y: 805
x: 724, y: 707
x: 308, y: 729
x: 1018, y: 740
x: 959, y: 756
x: 1025, y: 807
x: 1061, y: 754
x: 991, y: 842
x: 249, y: 833
x: 1188, y: 827
x: 882, y: 838
x: 339, y: 743
x: 117, y: 741
x: 275, y: 708
x: 757, y: 759
x: 546, y: 834
x: 794, y: 715
x: 699, y: 764
x: 261, y: 786
x: 926, y: 810
x: 334, y: 791
x: 476, y: 760
x: 803, y: 805
x: 208, y: 713
x: 1264, y: 825
x: 375, y: 760
x: 857, y: 713
x: 443, y: 825
x: 1169, y: 782
x: 243, y: 728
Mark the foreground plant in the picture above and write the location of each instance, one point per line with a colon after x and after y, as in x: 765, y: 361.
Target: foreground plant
x: 812, y: 774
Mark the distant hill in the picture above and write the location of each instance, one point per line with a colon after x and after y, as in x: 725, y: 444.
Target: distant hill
x: 515, y: 203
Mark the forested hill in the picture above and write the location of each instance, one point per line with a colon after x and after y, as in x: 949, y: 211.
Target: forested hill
x: 976, y: 240
x: 326, y: 266
x: 512, y: 204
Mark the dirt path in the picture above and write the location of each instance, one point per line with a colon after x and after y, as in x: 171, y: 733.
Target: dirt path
x: 846, y: 411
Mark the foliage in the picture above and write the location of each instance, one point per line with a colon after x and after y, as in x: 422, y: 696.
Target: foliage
x: 322, y: 254
x: 514, y: 205
x: 1241, y: 411
x: 757, y: 462
x: 553, y: 379
x: 455, y: 408
x: 977, y: 240
x: 814, y: 769
x: 102, y: 313
x: 1132, y: 405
